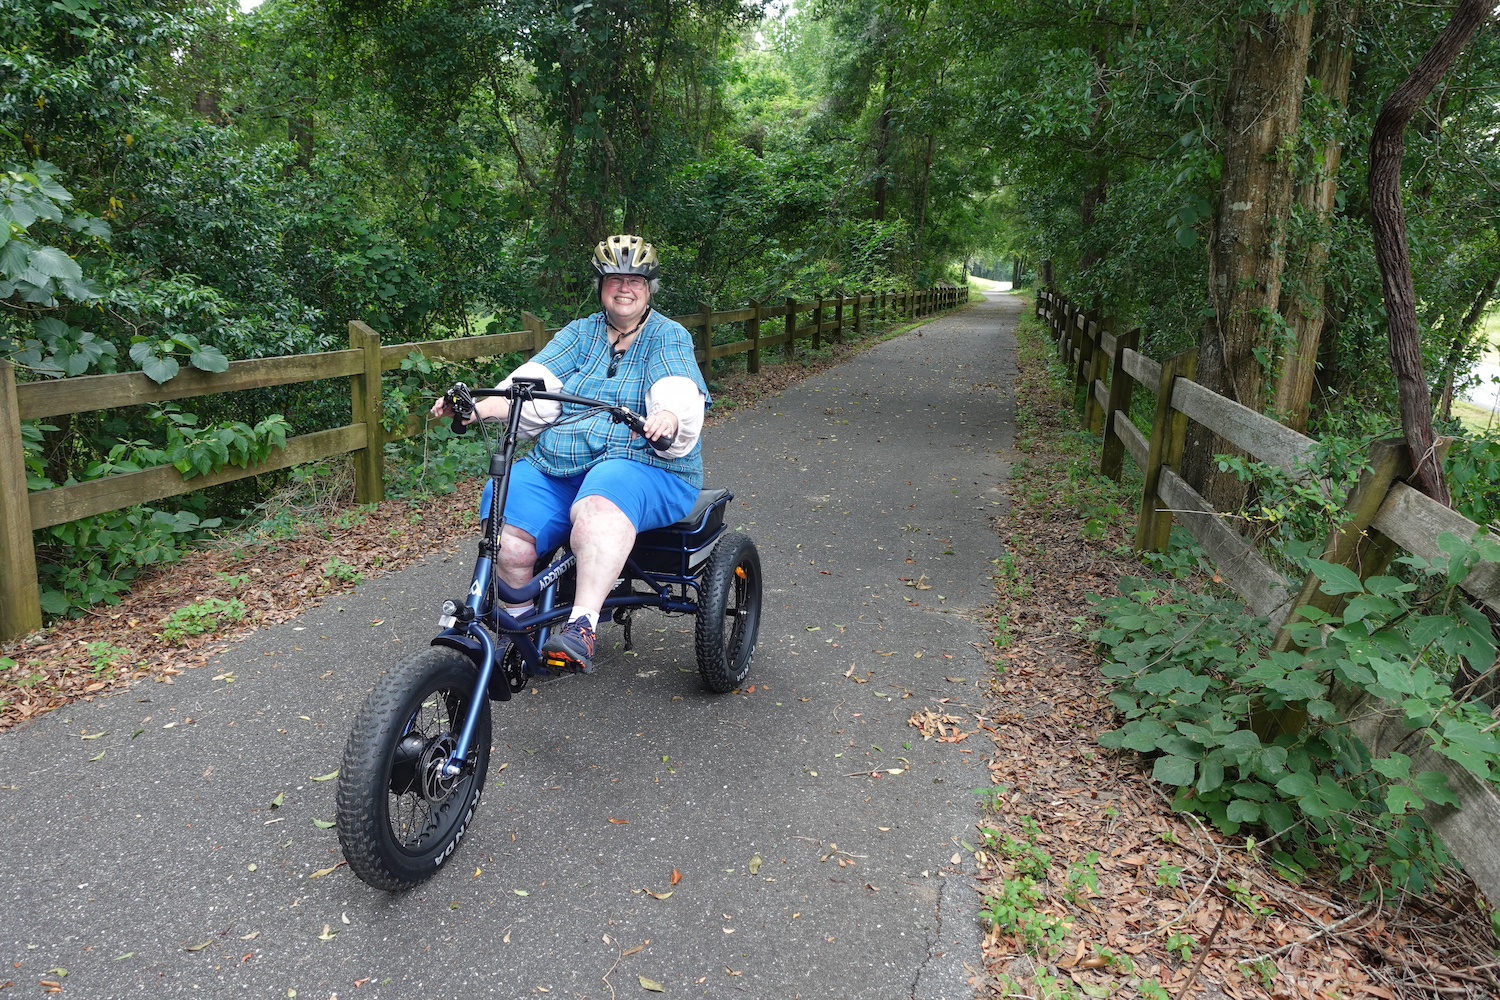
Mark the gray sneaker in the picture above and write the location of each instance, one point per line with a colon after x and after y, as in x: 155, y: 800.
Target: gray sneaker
x: 572, y: 649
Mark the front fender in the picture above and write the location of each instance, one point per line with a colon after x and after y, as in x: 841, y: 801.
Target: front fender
x: 499, y: 689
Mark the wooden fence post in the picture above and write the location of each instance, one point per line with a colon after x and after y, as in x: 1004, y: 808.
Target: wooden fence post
x: 752, y: 332
x: 538, y: 331
x: 706, y: 339
x: 838, y: 318
x: 1093, y: 413
x: 20, y: 594
x: 365, y: 407
x: 1153, y: 528
x: 1065, y: 335
x: 817, y: 333
x: 1353, y: 544
x: 1121, y: 387
x: 859, y: 328
x: 1087, y: 324
x: 788, y: 350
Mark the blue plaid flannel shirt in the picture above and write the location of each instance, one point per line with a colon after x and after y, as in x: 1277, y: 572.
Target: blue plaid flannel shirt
x: 579, y: 356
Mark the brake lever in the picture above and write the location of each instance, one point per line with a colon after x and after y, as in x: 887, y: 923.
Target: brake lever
x: 462, y: 405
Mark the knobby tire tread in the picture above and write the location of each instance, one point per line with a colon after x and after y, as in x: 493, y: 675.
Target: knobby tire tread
x: 362, y: 778
x: 719, y: 674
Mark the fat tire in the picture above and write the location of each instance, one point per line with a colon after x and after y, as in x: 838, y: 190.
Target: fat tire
x: 364, y: 791
x: 724, y: 657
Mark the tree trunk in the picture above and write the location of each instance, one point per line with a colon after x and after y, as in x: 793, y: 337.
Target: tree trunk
x: 1247, y: 247
x: 922, y: 194
x: 883, y: 140
x: 1388, y: 220
x: 1099, y: 190
x: 299, y: 130
x: 1461, y: 343
x: 1302, y: 300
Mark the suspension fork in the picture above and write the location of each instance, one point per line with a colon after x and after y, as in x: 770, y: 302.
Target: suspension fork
x: 482, y: 595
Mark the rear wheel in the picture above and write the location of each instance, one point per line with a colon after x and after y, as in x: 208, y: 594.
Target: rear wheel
x: 729, y: 613
x: 399, y: 817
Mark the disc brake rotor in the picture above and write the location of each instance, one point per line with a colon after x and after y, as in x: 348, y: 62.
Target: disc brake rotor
x: 434, y: 786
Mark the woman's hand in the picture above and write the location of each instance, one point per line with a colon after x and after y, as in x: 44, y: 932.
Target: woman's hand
x: 662, y: 423
x: 489, y: 408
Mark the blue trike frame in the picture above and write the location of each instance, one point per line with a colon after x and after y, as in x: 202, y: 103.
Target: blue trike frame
x: 468, y: 626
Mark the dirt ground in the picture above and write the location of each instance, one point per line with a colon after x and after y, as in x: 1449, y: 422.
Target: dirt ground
x: 1175, y: 907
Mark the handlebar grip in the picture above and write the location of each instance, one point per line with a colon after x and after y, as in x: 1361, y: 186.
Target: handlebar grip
x: 462, y: 405
x: 637, y: 423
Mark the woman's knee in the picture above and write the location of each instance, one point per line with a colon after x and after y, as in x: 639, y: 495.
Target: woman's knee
x: 517, y: 547
x: 594, y: 507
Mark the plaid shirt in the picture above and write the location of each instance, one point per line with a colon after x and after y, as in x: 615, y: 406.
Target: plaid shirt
x: 579, y: 356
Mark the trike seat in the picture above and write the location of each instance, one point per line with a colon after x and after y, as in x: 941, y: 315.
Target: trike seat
x: 706, y: 499
x: 680, y: 548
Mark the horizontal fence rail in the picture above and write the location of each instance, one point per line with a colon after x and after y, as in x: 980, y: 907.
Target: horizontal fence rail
x: 1382, y: 516
x: 21, y: 512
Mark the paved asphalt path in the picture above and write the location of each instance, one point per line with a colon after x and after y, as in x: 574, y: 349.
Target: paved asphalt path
x: 886, y: 467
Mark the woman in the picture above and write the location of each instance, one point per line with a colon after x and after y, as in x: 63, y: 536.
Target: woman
x: 594, y: 482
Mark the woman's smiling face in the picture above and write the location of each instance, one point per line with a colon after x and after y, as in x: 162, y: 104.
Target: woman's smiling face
x: 626, y: 298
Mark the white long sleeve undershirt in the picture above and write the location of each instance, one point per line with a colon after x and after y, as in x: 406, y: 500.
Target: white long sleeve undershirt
x: 681, y: 396
x: 676, y: 393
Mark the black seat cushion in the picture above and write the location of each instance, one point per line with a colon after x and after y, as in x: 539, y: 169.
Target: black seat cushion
x: 706, y: 499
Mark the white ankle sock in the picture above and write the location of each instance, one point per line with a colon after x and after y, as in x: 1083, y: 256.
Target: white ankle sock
x: 592, y: 616
x: 520, y: 609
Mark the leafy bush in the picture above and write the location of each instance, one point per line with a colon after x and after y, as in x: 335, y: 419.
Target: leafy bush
x: 1221, y: 713
x: 200, y: 617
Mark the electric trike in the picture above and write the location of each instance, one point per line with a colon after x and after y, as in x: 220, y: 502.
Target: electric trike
x: 415, y: 762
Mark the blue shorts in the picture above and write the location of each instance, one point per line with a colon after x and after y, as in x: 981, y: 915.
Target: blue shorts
x: 539, y: 504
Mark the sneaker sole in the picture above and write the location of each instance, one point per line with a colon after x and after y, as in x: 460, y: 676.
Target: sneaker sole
x: 566, y: 662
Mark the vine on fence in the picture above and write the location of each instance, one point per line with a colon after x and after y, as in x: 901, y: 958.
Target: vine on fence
x: 93, y: 559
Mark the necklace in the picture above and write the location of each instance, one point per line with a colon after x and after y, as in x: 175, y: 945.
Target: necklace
x: 615, y: 351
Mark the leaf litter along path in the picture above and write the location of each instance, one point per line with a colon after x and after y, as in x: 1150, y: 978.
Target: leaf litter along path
x: 1316, y: 939
x: 108, y: 648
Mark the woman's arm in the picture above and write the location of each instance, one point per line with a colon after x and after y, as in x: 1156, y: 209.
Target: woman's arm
x: 536, y: 416
x: 674, y: 404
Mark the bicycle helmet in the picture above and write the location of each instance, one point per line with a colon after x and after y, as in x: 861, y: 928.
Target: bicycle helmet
x: 625, y: 254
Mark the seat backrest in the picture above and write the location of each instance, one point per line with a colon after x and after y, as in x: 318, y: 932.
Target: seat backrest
x: 706, y: 499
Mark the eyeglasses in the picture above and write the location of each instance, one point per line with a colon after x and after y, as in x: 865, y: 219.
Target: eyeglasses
x: 625, y: 280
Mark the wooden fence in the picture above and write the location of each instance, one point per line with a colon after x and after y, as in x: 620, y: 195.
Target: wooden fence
x: 22, y: 512
x: 1383, y: 516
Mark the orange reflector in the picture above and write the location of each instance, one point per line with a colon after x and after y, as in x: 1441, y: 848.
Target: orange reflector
x: 739, y: 571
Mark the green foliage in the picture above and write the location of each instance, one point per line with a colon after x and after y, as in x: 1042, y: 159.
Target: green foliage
x: 92, y: 560
x: 103, y: 656
x: 41, y: 283
x: 200, y: 617
x: 158, y: 358
x: 337, y: 569
x: 1083, y: 878
x: 1013, y: 905
x: 1203, y: 696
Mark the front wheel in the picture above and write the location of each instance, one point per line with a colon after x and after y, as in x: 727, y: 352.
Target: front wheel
x: 399, y: 817
x: 729, y: 614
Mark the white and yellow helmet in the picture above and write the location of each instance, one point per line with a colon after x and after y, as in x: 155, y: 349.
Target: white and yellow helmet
x: 625, y: 254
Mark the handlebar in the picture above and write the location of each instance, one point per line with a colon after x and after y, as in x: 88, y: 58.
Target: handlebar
x: 461, y: 400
